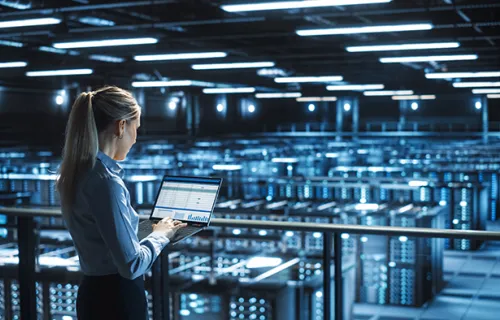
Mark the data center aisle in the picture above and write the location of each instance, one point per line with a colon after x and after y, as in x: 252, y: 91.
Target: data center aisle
x: 472, y: 290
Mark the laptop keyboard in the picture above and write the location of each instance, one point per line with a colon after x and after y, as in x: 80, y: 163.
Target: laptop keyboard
x: 145, y: 226
x: 184, y: 232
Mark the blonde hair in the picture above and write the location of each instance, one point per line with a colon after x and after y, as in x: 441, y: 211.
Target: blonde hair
x: 92, y: 113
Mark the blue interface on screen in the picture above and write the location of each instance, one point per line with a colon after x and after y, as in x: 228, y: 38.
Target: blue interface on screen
x: 187, y: 199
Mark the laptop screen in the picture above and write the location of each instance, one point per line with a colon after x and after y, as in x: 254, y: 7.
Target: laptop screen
x: 187, y: 199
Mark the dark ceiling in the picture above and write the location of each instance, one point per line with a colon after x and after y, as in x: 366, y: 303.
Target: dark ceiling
x: 201, y: 25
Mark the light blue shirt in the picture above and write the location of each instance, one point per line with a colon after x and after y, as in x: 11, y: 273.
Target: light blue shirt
x: 104, y: 225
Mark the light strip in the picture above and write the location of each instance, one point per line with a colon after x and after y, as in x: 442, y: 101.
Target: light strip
x: 228, y: 90
x: 485, y: 91
x: 173, y: 83
x: 493, y: 96
x: 13, y: 64
x: 227, y: 167
x: 278, y: 95
x: 366, y: 206
x: 29, y: 22
x: 286, y: 5
x: 429, y: 58
x: 67, y: 72
x: 355, y: 87
x: 476, y: 84
x: 238, y: 65
x: 308, y: 79
x: 180, y: 56
x: 93, y: 21
x: 104, y: 43
x: 52, y: 50
x: 11, y: 43
x: 275, y: 270
x: 407, y: 46
x: 104, y: 58
x: 418, y: 183
x: 422, y: 97
x: 284, y: 160
x: 358, y: 30
x: 453, y: 75
x: 388, y: 93
x: 315, y: 99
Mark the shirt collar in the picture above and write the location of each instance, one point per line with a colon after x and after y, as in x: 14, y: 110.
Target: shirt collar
x: 111, y: 164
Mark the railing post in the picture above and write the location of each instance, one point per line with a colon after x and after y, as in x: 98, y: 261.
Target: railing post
x: 165, y: 288
x: 160, y: 283
x: 327, y: 276
x: 27, y: 264
x: 339, y: 287
x: 156, y: 289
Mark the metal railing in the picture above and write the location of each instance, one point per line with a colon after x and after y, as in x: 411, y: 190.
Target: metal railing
x: 331, y: 235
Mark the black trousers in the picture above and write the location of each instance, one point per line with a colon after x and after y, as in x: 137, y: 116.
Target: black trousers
x: 111, y: 297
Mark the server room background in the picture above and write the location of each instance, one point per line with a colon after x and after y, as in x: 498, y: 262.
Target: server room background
x: 369, y: 114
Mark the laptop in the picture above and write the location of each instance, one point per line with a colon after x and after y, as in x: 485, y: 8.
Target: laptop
x: 187, y: 199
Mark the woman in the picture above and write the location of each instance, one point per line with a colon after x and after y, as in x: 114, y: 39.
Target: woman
x: 102, y: 127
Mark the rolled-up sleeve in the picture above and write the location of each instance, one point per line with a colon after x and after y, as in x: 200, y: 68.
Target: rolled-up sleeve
x: 109, y: 207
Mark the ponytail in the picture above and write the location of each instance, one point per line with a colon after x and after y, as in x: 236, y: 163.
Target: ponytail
x: 92, y: 113
x: 80, y: 147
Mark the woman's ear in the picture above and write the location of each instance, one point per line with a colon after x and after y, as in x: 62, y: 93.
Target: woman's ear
x: 120, y: 128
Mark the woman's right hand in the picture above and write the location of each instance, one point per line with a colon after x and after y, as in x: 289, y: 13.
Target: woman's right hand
x: 168, y: 226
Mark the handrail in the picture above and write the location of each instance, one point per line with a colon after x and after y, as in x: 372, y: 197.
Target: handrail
x: 357, y: 229
x: 305, y: 226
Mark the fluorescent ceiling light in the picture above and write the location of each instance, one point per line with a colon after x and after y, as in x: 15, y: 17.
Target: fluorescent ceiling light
x: 19, y: 5
x: 11, y: 43
x: 284, y: 160
x: 98, y: 22
x: 238, y: 65
x: 485, y: 91
x: 418, y: 183
x: 493, y: 96
x: 29, y: 22
x: 173, y: 83
x: 275, y: 270
x: 104, y: 58
x: 315, y: 99
x: 308, y: 79
x: 407, y: 46
x: 388, y: 93
x: 332, y: 155
x: 422, y: 97
x: 13, y: 64
x: 453, y: 75
x: 142, y: 178
x: 476, y: 84
x: 67, y: 72
x: 104, y: 43
x: 367, y: 29
x: 355, y: 87
x: 287, y: 5
x: 406, y: 208
x: 366, y: 206
x: 429, y: 58
x: 180, y: 56
x: 263, y: 262
x: 228, y: 90
x: 278, y: 95
x: 52, y: 50
x: 226, y: 167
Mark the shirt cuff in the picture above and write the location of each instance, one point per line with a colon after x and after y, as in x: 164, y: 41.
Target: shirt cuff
x: 159, y: 241
x: 160, y: 236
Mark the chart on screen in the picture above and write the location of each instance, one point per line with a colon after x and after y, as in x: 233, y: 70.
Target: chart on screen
x: 186, y: 201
